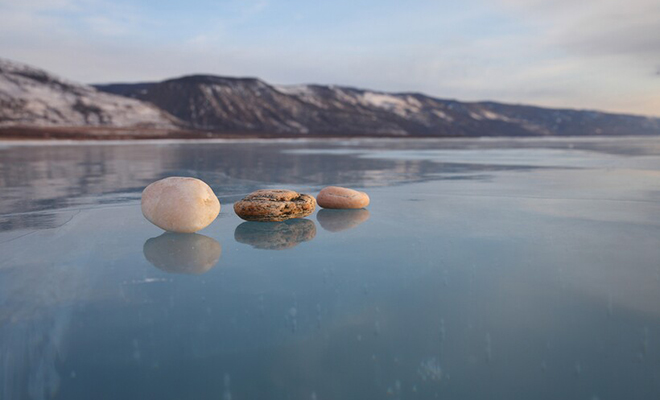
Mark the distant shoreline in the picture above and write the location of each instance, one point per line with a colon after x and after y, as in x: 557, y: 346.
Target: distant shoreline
x: 93, y: 134
x: 128, y: 134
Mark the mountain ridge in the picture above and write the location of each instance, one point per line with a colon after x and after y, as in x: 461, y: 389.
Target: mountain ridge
x: 247, y: 103
x: 110, y: 86
x: 207, y: 105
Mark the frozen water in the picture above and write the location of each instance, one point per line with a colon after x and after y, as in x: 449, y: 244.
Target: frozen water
x: 487, y: 269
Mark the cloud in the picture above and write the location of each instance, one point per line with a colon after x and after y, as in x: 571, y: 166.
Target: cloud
x: 597, y: 27
x: 614, y: 47
x: 98, y: 17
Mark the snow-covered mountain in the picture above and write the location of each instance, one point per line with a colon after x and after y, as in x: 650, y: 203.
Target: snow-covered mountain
x: 251, y: 105
x: 33, y: 97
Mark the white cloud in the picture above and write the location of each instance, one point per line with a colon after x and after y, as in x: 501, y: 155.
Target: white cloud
x: 597, y: 27
x: 99, y: 17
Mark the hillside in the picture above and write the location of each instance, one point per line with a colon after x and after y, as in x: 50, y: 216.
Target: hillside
x: 33, y: 97
x: 248, y: 104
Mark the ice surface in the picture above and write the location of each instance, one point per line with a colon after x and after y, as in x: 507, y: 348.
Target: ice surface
x: 493, y: 269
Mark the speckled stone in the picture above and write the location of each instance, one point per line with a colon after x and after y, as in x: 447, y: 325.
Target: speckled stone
x: 182, y: 253
x: 178, y: 204
x: 274, y: 205
x: 339, y: 197
x: 275, y: 235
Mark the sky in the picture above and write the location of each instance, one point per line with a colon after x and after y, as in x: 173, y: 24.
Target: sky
x: 585, y: 54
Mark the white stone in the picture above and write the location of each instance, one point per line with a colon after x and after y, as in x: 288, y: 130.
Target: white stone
x: 178, y: 204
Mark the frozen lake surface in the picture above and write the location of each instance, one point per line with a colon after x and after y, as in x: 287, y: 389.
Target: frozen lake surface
x: 483, y: 269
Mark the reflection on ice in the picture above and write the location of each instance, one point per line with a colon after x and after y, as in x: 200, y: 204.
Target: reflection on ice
x: 275, y: 235
x: 182, y: 253
x: 341, y: 220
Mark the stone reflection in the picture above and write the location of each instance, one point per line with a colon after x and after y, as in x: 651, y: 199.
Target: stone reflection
x: 182, y: 253
x: 275, y: 235
x: 341, y: 220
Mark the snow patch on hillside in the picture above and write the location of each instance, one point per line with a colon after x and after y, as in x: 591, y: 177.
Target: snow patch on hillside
x: 304, y: 93
x: 398, y: 104
x: 442, y: 115
x: 294, y: 90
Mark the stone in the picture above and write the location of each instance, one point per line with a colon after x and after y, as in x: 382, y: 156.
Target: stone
x: 275, y: 235
x: 182, y: 253
x: 339, y: 197
x: 178, y: 204
x: 341, y: 220
x: 274, y: 205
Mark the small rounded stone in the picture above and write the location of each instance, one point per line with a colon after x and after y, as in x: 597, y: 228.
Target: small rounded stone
x: 178, y: 204
x: 339, y: 197
x: 274, y: 205
x: 182, y: 253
